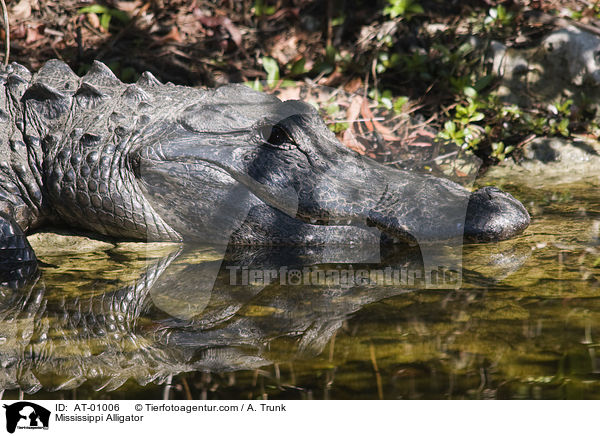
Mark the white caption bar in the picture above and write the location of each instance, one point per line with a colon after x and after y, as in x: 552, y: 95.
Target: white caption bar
x: 296, y: 417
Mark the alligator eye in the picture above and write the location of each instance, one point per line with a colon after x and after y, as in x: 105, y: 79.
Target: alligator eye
x: 280, y: 137
x: 134, y: 162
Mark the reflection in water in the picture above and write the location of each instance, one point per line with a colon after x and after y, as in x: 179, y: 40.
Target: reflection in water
x: 162, y: 320
x: 120, y: 321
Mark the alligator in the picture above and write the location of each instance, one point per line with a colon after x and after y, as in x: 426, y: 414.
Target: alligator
x: 161, y: 162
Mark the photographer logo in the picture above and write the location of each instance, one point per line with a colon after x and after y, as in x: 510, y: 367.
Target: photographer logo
x: 26, y: 415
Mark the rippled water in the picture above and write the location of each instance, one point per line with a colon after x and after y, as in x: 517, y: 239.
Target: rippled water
x: 133, y: 320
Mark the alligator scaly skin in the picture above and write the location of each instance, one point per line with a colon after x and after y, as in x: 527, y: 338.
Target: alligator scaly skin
x: 68, y: 143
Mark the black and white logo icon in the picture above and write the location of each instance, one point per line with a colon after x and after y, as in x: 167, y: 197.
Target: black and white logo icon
x: 26, y: 415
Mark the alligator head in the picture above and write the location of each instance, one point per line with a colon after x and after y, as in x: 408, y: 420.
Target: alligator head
x: 236, y: 150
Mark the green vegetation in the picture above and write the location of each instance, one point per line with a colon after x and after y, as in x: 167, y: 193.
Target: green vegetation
x: 106, y: 14
x: 498, y: 17
x: 402, y: 8
x: 261, y: 9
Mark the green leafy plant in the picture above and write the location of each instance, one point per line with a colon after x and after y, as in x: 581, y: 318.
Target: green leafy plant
x: 386, y: 99
x: 106, y: 14
x: 332, y: 60
x: 402, y: 8
x: 467, y: 137
x: 561, y: 127
x: 256, y: 85
x: 469, y: 88
x: 126, y: 74
x: 261, y: 9
x: 536, y: 125
x: 573, y: 14
x: 498, y: 17
x: 386, y: 61
x: 416, y: 65
x: 556, y: 122
x: 298, y: 67
x: 500, y: 151
x: 272, y: 68
x: 468, y: 114
x: 463, y: 129
x: 562, y: 109
x: 399, y: 103
x: 273, y: 76
x: 338, y: 21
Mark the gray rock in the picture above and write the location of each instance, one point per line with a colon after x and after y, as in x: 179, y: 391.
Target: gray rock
x: 577, y: 53
x: 552, y: 160
x: 564, y: 65
x: 62, y: 244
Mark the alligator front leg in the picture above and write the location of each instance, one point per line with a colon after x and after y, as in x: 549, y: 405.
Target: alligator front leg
x: 21, y: 210
x: 17, y: 259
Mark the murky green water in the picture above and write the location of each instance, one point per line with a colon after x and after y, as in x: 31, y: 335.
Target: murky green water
x: 147, y: 321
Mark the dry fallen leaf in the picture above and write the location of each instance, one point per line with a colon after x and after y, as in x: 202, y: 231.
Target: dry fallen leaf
x: 353, y: 85
x: 236, y: 36
x: 372, y: 124
x: 93, y: 20
x: 21, y: 11
x: 289, y: 93
x: 17, y: 32
x: 421, y: 138
x: 349, y: 138
x: 128, y: 6
x: 220, y: 20
x: 34, y: 34
x: 350, y: 141
x: 285, y: 49
x: 172, y: 36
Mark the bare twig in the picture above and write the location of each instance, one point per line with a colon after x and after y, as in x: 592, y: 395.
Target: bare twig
x: 377, y: 373
x: 358, y: 120
x: 168, y: 384
x: 6, y: 31
x: 329, y: 29
x: 186, y: 387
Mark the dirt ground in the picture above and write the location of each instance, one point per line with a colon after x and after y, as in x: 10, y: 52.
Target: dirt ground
x: 356, y: 46
x: 210, y: 42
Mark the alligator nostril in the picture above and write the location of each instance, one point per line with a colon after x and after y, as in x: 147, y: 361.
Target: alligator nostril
x: 488, y: 193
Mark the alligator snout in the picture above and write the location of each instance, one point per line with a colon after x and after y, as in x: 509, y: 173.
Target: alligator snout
x: 431, y: 209
x: 494, y: 215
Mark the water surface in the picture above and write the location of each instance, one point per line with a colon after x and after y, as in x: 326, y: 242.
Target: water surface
x: 130, y: 320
